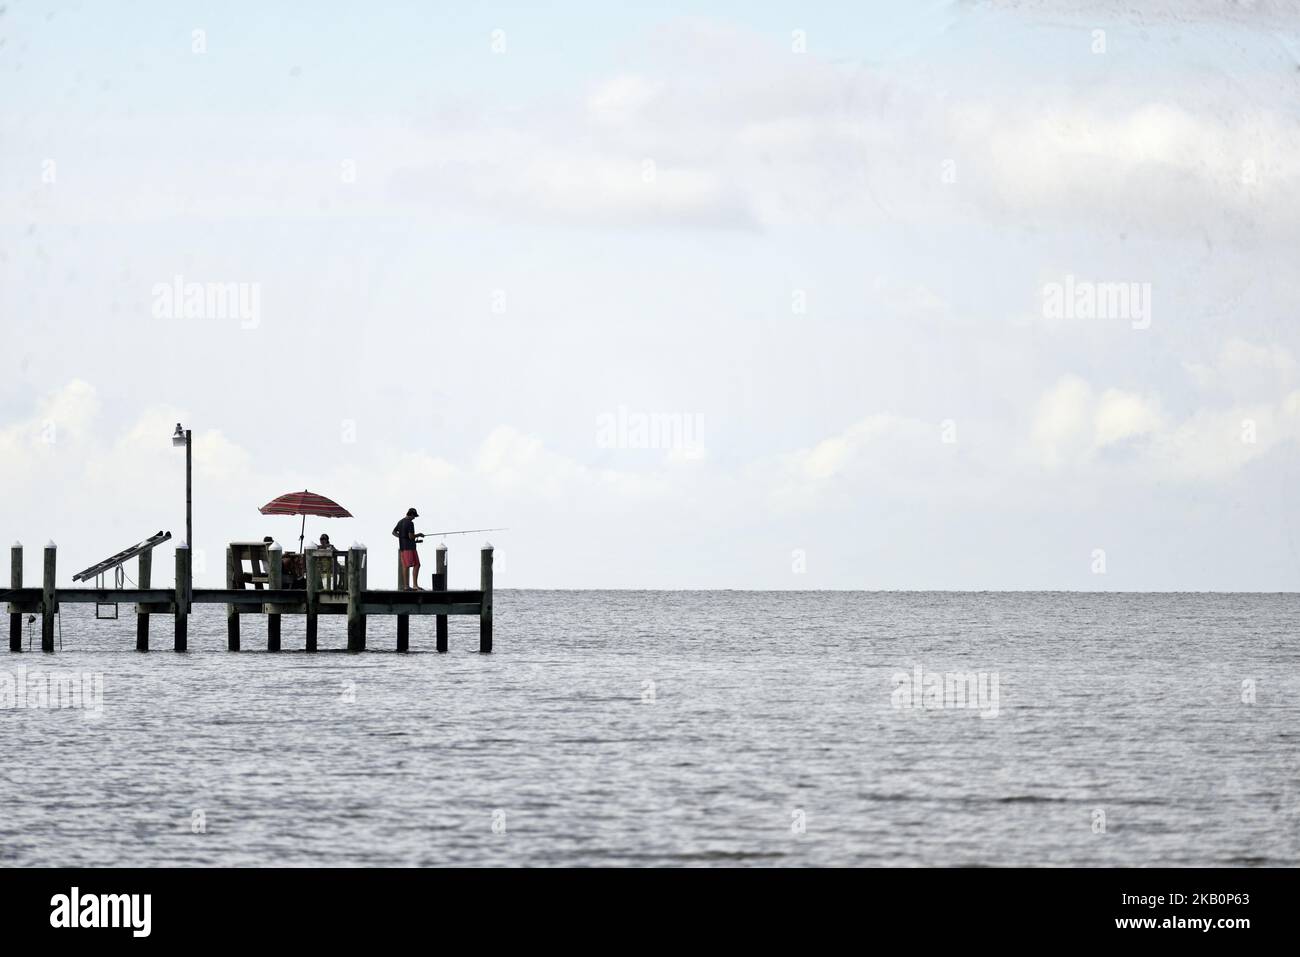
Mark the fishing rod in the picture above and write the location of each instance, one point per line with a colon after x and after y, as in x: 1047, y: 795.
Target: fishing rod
x: 464, y: 531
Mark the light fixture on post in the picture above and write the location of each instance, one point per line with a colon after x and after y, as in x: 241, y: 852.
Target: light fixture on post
x: 182, y: 437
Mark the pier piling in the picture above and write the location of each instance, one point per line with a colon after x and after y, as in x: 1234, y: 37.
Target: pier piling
x: 440, y: 584
x: 485, y: 613
x: 356, y: 617
x: 403, y: 621
x: 16, y: 582
x: 182, y: 597
x: 145, y: 574
x: 313, y: 591
x: 232, y: 613
x: 275, y: 580
x: 48, y: 604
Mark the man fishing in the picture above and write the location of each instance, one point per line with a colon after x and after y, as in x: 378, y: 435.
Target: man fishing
x: 407, y: 556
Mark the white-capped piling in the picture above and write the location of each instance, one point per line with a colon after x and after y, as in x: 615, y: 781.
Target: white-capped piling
x: 274, y: 581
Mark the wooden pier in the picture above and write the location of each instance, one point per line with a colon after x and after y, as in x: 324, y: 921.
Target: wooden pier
x: 261, y: 591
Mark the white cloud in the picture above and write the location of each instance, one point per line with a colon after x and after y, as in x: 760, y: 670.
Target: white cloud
x: 1074, y: 427
x: 620, y: 98
x: 1073, y: 424
x: 62, y: 424
x: 883, y: 456
x: 1214, y: 445
x: 1243, y: 367
x: 70, y: 411
x: 521, y: 465
x: 1122, y: 415
x: 833, y: 456
x: 1099, y: 159
x: 1062, y: 421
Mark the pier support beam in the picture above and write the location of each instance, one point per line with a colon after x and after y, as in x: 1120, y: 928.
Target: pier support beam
x: 440, y: 570
x: 313, y: 590
x: 16, y: 582
x: 485, y: 612
x: 232, y: 613
x: 182, y: 641
x: 403, y: 621
x: 145, y: 575
x: 356, y: 620
x: 275, y: 577
x: 48, y: 607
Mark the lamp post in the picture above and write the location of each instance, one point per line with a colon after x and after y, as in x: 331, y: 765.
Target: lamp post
x: 182, y: 437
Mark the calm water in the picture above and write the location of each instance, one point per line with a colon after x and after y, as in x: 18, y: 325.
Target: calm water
x: 767, y: 710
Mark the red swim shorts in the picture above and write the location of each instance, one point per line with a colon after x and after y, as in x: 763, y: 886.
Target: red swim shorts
x: 408, y: 559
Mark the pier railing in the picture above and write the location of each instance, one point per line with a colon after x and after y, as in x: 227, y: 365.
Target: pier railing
x: 354, y: 600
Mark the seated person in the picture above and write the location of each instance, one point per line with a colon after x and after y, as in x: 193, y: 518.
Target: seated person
x: 327, y: 563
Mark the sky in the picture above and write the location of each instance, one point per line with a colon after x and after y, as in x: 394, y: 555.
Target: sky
x: 727, y: 295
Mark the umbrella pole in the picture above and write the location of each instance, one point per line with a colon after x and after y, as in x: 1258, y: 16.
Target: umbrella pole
x: 302, y: 531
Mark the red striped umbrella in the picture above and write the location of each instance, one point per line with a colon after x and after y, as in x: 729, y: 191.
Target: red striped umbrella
x: 304, y: 503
